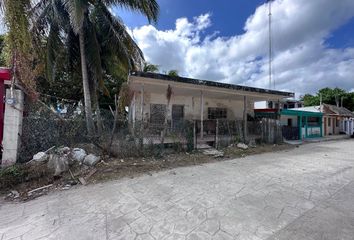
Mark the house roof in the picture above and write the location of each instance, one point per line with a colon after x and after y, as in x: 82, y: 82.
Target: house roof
x: 342, y: 111
x: 301, y: 112
x: 211, y: 83
x: 328, y: 109
x: 316, y: 109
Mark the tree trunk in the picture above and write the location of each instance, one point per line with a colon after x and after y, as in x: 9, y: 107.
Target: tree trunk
x: 85, y: 82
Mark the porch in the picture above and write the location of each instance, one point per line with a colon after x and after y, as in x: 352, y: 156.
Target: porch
x: 161, y: 100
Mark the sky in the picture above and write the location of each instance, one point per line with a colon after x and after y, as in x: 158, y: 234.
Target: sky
x: 227, y: 41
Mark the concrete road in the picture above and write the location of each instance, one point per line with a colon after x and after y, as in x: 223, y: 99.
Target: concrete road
x: 305, y: 193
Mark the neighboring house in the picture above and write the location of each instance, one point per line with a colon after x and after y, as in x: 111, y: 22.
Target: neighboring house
x: 335, y: 119
x: 301, y: 124
x: 291, y: 103
x: 193, y: 100
x: 342, y: 119
x: 285, y: 103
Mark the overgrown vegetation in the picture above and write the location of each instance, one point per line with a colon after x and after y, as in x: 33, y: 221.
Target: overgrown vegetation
x: 332, y: 96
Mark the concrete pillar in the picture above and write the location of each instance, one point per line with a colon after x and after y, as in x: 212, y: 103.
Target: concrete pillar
x: 201, y: 114
x: 142, y: 103
x: 12, y: 126
x: 245, y: 137
x: 134, y: 110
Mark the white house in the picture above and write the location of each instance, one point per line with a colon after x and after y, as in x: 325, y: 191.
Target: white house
x: 193, y: 99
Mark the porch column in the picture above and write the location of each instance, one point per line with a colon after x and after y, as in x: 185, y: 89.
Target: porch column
x: 201, y: 114
x: 300, y: 127
x: 306, y: 131
x: 245, y: 118
x: 142, y: 103
x: 133, y: 109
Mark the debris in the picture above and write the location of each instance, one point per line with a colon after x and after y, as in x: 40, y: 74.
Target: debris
x: 66, y: 187
x: 213, y: 152
x: 72, y: 175
x: 82, y: 181
x: 39, y: 189
x: 13, y: 194
x: 91, y: 160
x: 93, y: 171
x: 64, y: 150
x: 242, y: 146
x: 58, y: 163
x: 40, y: 157
x: 78, y: 154
x: 49, y: 150
x: 252, y: 143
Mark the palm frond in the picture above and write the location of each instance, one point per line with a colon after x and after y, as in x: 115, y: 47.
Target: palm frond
x: 54, y: 44
x: 149, y: 8
x: 116, y: 37
x: 76, y: 10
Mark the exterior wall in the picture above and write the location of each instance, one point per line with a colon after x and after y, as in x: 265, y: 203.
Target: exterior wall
x: 192, y: 106
x: 284, y: 120
x: 333, y: 129
x: 348, y: 126
x: 12, y: 128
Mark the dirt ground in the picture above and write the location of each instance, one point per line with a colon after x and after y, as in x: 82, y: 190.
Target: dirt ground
x: 34, y: 177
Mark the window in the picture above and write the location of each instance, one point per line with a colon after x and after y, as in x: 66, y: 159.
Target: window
x: 329, y: 122
x: 177, y: 112
x: 337, y: 122
x: 270, y: 104
x: 313, y: 121
x: 157, y: 113
x: 291, y: 105
x: 217, y: 113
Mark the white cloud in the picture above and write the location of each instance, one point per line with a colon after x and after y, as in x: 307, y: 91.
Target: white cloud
x: 302, y: 61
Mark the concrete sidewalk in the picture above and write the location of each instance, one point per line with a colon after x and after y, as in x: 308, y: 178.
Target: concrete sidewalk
x: 305, y: 193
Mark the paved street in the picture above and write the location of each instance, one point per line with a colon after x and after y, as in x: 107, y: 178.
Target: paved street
x: 306, y: 194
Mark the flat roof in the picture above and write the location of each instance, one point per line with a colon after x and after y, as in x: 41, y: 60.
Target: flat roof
x: 296, y: 112
x: 210, y: 83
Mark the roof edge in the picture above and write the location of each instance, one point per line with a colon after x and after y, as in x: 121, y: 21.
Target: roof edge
x: 211, y: 83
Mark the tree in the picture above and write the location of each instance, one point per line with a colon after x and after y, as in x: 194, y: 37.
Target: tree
x: 19, y: 43
x: 96, y: 29
x: 334, y: 96
x: 148, y: 67
x: 173, y: 73
x: 2, y: 51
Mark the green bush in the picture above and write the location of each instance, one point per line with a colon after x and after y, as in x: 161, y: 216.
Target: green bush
x: 11, y: 176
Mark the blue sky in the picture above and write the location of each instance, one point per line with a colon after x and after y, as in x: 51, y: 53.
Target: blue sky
x: 228, y: 16
x: 227, y: 41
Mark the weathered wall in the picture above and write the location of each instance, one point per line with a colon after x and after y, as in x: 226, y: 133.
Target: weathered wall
x: 192, y: 106
x: 329, y: 130
x: 284, y: 120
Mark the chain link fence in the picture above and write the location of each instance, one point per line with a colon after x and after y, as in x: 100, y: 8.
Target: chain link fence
x: 45, y: 126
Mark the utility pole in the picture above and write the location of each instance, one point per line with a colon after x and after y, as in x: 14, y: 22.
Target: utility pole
x: 270, y: 43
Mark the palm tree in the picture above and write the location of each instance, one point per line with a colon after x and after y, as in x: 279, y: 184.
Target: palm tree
x: 91, y: 20
x: 173, y: 73
x: 148, y: 67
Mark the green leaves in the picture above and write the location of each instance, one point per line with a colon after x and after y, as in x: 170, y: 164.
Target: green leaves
x: 330, y: 96
x: 149, y: 8
x: 77, y: 10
